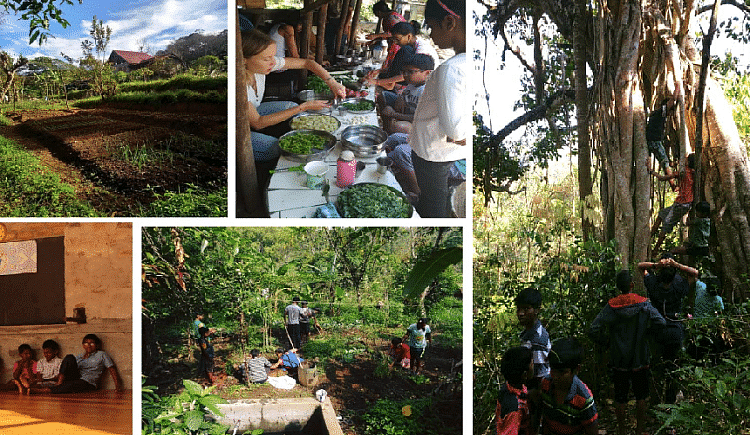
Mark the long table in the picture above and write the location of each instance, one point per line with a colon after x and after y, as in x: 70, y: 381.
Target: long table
x: 288, y: 195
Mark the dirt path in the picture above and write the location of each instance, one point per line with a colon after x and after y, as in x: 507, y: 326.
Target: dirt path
x: 83, y: 146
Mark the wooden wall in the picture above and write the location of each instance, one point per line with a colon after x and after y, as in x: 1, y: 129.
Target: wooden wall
x: 99, y: 278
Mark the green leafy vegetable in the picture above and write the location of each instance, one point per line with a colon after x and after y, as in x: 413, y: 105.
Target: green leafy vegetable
x: 360, y: 105
x: 373, y: 201
x: 302, y: 143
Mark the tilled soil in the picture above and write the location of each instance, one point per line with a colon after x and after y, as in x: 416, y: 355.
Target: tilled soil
x: 81, y: 146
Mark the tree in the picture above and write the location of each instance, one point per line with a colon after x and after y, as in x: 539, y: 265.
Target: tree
x: 104, y: 84
x: 196, y: 45
x: 637, y: 55
x: 9, y: 69
x: 38, y: 13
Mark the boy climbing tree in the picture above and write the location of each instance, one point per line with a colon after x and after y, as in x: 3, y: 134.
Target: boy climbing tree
x: 655, y: 135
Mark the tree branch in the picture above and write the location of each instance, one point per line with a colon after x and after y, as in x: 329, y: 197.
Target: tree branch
x: 516, y: 51
x: 739, y: 5
x: 560, y: 97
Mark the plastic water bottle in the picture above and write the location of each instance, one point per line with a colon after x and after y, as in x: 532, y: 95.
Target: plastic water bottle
x: 346, y: 168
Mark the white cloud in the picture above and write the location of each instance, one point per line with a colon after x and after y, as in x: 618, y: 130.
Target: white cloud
x: 157, y: 23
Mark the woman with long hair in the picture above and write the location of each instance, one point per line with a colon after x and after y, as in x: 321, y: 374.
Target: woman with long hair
x: 259, y: 53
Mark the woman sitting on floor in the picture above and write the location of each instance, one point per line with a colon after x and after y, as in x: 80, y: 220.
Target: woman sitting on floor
x: 82, y: 373
x: 259, y: 52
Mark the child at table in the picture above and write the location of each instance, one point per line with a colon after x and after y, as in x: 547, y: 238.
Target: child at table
x: 48, y: 368
x: 398, y: 118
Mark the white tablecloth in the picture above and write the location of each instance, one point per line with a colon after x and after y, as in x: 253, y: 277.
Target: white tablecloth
x: 288, y: 195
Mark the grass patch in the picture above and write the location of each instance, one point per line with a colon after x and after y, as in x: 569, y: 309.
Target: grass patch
x: 27, y: 189
x: 157, y: 99
x: 193, y: 202
x: 139, y: 154
x: 182, y: 81
x: 34, y: 104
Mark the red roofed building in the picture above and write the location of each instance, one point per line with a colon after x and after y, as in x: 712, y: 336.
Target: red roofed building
x: 128, y: 60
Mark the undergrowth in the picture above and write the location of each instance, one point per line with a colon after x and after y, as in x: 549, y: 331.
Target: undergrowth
x: 27, y: 189
x: 157, y: 99
x: 193, y: 201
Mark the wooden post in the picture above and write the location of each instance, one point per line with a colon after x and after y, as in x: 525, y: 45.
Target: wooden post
x: 343, y: 20
x: 249, y: 200
x: 307, y: 21
x: 320, y: 44
x: 355, y: 20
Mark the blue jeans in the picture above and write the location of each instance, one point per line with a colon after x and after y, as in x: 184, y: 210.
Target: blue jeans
x: 265, y: 147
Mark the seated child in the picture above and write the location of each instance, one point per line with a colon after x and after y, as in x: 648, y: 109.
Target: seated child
x: 567, y: 403
x: 700, y: 230
x: 48, y: 368
x: 24, y: 370
x: 512, y: 415
x: 257, y: 368
x: 398, y: 116
x: 399, y: 351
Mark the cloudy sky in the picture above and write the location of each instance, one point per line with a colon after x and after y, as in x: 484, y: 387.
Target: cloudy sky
x: 155, y: 22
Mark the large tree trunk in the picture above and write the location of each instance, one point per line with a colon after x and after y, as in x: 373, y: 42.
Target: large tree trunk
x: 641, y: 53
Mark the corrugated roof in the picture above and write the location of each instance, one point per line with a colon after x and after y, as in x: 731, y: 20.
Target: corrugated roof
x: 132, y: 57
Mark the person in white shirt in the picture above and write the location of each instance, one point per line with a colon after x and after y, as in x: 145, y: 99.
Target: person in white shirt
x: 441, y: 121
x: 283, y: 35
x: 48, y: 368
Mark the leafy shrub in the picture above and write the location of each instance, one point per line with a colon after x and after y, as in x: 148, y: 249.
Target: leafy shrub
x: 389, y: 417
x: 182, y: 413
x: 719, y: 399
x: 446, y: 317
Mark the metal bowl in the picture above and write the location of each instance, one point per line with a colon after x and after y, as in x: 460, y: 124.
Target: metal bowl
x: 310, y: 95
x: 304, y: 158
x: 294, y: 125
x: 355, y: 189
x: 364, y: 140
x: 355, y: 101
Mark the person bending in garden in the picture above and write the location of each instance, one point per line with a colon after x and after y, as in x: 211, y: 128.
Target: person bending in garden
x: 288, y: 361
x: 400, y: 353
x: 417, y: 336
x: 534, y: 335
x: 671, y: 215
x: 628, y: 318
x: 512, y: 415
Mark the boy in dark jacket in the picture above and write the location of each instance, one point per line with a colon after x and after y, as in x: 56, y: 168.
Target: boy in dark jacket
x: 628, y: 317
